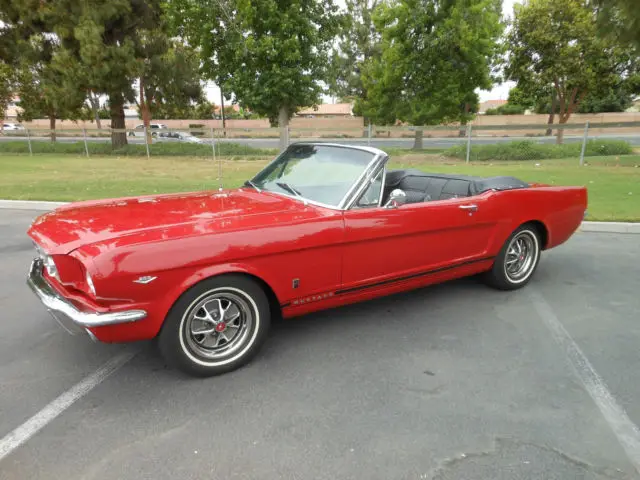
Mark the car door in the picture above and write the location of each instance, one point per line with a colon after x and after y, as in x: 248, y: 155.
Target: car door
x: 384, y: 243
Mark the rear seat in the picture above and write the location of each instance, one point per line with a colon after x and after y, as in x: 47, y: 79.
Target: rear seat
x: 421, y: 188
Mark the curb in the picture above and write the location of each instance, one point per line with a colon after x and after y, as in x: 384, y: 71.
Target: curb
x: 600, y: 227
x: 610, y: 227
x: 29, y: 205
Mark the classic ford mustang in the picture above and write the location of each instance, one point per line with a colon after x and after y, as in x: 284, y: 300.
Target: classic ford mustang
x: 322, y: 225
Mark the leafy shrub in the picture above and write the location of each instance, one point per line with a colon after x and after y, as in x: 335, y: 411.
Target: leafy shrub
x: 506, y: 109
x: 528, y: 150
x: 156, y: 149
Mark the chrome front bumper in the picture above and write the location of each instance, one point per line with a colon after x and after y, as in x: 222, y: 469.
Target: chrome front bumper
x: 67, y: 315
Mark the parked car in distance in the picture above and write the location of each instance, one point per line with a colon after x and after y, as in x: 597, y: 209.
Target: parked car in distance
x: 138, y: 131
x: 177, y: 137
x: 323, y: 225
x: 12, y: 126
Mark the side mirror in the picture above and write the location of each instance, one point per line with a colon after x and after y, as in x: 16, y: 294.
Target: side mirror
x: 397, y: 197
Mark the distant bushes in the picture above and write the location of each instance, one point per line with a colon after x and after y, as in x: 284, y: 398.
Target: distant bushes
x: 506, y: 109
x: 156, y: 149
x: 528, y: 150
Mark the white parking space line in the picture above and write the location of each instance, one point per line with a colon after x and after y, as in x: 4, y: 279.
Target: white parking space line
x: 626, y: 431
x: 29, y: 428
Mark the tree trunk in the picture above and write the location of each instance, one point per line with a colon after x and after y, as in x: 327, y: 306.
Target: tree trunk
x: 283, y: 123
x: 224, y: 121
x: 560, y: 136
x: 95, y: 106
x: 52, y: 127
x: 463, y: 131
x: 554, y: 104
x: 417, y: 142
x: 146, y: 113
x: 116, y: 103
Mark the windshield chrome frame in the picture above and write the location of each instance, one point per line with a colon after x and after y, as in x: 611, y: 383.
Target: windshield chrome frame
x: 356, y: 188
x: 380, y: 167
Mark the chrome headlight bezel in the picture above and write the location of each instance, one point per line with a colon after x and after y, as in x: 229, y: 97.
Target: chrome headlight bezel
x: 89, y: 283
x: 48, y: 262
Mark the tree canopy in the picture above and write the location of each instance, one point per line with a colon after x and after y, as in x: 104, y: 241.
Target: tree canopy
x: 358, y: 42
x: 619, y: 18
x: 435, y: 54
x: 555, y: 45
x: 272, y: 55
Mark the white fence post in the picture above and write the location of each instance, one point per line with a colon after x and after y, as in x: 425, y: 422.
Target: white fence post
x: 584, y: 143
x: 86, y: 147
x: 468, y: 141
x: 29, y: 140
x: 146, y: 141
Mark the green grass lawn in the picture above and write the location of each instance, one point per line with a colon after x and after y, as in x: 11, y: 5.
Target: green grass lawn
x: 613, y: 182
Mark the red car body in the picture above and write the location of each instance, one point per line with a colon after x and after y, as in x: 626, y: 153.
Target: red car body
x: 307, y: 257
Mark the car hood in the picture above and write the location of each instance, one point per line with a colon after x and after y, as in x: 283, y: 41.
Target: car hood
x: 160, y: 217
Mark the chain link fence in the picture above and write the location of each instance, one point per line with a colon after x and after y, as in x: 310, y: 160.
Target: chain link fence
x: 468, y: 142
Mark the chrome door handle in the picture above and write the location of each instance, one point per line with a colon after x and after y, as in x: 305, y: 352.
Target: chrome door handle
x: 471, y: 208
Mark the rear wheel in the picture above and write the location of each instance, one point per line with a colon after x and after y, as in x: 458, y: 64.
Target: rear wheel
x: 215, y: 327
x: 517, y: 261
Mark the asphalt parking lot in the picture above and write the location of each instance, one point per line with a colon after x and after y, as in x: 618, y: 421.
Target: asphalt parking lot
x: 455, y: 381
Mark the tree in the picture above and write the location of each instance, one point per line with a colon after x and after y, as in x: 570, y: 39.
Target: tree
x: 44, y: 88
x: 169, y: 78
x: 42, y: 95
x: 620, y: 18
x: 99, y: 45
x: 271, y: 54
x: 555, y: 45
x: 359, y: 42
x: 435, y: 54
x: 105, y: 41
x: 7, y: 89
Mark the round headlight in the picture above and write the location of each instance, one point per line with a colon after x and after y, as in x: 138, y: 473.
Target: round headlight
x: 90, y: 283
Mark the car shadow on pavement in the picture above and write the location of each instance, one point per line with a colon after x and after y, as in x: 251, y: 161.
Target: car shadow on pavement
x: 376, y: 317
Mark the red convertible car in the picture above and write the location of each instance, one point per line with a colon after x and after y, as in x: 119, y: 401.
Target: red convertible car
x: 322, y: 225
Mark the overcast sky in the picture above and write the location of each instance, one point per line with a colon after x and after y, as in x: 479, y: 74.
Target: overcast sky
x: 498, y: 92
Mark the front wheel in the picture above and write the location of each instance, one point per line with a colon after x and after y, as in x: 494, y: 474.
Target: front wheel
x: 517, y: 260
x: 215, y: 327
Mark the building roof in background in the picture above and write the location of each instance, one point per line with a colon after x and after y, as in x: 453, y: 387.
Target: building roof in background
x: 484, y: 106
x: 234, y: 106
x: 328, y: 109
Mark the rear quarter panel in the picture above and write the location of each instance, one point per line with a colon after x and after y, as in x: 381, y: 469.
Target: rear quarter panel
x: 560, y: 209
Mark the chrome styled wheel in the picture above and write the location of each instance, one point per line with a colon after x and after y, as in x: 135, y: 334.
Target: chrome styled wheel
x: 216, y: 326
x: 521, y: 256
x: 518, y: 259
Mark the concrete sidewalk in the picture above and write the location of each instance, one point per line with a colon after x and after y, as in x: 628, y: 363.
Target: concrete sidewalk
x: 602, y: 227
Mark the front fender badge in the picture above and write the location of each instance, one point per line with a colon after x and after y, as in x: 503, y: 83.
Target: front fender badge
x: 144, y: 280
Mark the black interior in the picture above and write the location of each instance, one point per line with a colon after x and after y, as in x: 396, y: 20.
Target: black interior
x: 424, y: 187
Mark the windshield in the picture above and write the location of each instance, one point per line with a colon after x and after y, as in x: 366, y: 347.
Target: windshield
x: 323, y: 174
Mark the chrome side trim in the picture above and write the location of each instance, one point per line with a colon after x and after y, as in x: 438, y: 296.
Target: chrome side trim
x: 72, y: 319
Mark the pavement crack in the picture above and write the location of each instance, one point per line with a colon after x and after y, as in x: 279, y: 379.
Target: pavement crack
x: 503, y: 447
